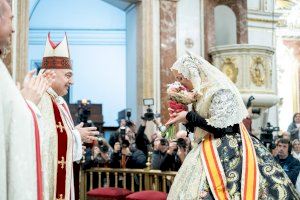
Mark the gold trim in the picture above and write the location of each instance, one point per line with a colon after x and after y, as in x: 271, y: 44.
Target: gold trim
x: 60, y: 197
x: 285, y: 4
x: 262, y: 20
x: 60, y: 127
x: 229, y: 68
x: 62, y: 162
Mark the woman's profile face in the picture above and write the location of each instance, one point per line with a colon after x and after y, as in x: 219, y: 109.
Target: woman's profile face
x: 297, y: 118
x: 296, y: 146
x: 184, y: 81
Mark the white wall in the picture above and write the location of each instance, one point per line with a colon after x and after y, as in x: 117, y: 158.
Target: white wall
x: 77, y: 14
x: 225, y: 25
x: 189, y: 25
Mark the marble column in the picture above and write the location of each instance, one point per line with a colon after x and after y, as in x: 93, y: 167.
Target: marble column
x: 20, y: 59
x: 15, y: 54
x: 167, y: 50
x: 294, y: 45
x: 144, y: 53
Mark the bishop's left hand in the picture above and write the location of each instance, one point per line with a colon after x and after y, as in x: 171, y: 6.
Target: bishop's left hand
x: 177, y: 118
x: 87, y: 133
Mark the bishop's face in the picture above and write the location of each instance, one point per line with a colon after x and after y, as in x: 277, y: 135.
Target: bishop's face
x: 184, y: 81
x: 63, y: 80
x: 5, y: 23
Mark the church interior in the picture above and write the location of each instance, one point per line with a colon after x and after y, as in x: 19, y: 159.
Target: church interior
x: 122, y: 51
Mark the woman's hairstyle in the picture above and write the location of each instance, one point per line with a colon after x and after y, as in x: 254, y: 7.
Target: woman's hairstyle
x: 294, y: 116
x: 294, y: 141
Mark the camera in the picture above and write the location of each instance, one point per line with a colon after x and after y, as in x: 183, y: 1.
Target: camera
x: 266, y: 135
x: 249, y: 104
x: 163, y: 141
x: 149, y: 115
x: 181, y: 143
x: 83, y: 110
x: 256, y: 111
x: 128, y: 115
x: 100, y: 142
x: 125, y: 114
x: 123, y: 133
x: 103, y: 148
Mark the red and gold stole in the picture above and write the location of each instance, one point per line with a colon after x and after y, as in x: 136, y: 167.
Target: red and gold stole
x: 62, y: 139
x: 215, y: 173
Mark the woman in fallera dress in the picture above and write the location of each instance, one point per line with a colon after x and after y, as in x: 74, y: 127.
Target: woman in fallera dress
x: 227, y: 163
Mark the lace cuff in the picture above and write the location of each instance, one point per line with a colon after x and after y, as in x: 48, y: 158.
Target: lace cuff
x: 223, y: 110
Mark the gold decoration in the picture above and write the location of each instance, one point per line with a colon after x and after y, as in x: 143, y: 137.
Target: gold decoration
x: 258, y: 71
x: 60, y: 197
x: 62, y: 162
x: 229, y: 68
x: 60, y: 127
x: 286, y: 4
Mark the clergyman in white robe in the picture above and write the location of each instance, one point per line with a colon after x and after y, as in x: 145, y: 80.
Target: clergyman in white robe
x: 18, y: 169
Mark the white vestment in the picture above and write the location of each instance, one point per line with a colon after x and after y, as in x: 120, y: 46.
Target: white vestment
x: 18, y: 171
x: 49, y: 142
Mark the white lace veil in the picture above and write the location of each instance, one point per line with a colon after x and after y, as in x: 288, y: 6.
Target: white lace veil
x: 208, y: 80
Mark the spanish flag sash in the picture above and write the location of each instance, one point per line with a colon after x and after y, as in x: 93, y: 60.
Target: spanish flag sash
x: 215, y: 173
x: 250, y: 176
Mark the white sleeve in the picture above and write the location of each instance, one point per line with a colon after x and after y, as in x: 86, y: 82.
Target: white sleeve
x: 35, y: 109
x: 223, y: 110
x: 77, y: 145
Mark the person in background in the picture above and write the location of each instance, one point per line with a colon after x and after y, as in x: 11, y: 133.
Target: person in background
x: 296, y: 148
x: 286, y: 135
x: 98, y: 155
x: 125, y: 156
x: 290, y: 165
x: 294, y: 127
x: 141, y: 139
x: 273, y: 149
x: 160, y: 148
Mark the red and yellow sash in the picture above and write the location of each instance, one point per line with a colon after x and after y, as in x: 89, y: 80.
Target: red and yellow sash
x: 215, y: 173
x: 213, y: 168
x: 250, y: 176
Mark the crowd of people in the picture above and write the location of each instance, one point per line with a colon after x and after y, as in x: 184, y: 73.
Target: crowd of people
x: 129, y: 147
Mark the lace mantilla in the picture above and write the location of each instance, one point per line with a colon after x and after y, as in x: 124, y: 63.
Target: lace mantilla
x: 208, y: 81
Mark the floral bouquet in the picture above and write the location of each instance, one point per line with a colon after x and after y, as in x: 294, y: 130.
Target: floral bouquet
x: 179, y: 98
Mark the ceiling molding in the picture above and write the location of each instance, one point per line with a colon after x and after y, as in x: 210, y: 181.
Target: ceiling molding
x: 121, y: 4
